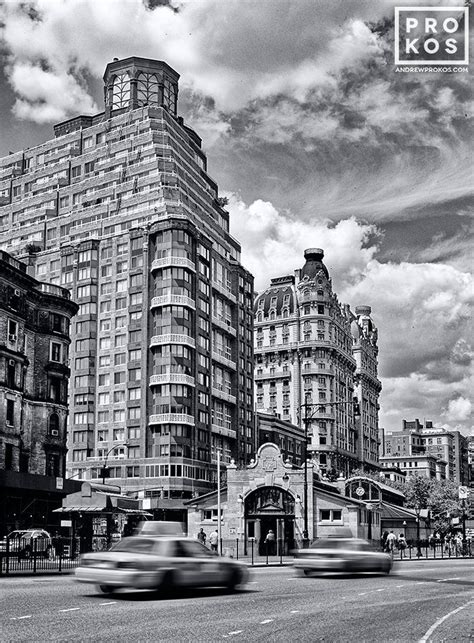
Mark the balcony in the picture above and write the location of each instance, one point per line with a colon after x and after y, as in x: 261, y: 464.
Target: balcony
x: 171, y: 418
x: 173, y: 338
x: 173, y: 300
x: 223, y: 395
x: 164, y: 262
x: 272, y: 376
x: 51, y: 289
x: 223, y: 290
x: 225, y: 325
x: 221, y: 430
x: 171, y: 378
x: 223, y: 360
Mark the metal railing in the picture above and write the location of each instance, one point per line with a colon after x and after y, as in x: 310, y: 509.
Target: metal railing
x: 36, y: 555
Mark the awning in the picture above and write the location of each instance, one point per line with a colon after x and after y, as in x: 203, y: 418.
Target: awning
x: 101, y: 510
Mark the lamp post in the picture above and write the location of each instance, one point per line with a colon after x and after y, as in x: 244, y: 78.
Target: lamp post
x: 219, y: 501
x: 310, y: 409
x: 418, y: 549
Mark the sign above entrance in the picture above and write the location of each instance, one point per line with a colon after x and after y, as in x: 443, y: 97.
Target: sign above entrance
x: 269, y: 464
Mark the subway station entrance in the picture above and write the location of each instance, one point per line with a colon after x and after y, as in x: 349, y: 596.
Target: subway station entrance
x: 270, y: 509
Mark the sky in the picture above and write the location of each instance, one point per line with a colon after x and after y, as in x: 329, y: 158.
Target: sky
x: 315, y: 139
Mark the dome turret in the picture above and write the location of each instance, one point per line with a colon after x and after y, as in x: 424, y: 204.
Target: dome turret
x: 314, y: 263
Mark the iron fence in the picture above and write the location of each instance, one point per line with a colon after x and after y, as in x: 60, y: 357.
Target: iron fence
x: 36, y: 555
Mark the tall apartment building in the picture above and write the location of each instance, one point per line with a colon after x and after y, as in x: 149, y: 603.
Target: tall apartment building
x: 310, y: 349
x: 416, y: 439
x: 34, y: 375
x: 120, y: 209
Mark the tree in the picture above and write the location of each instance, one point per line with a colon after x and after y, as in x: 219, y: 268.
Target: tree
x: 439, y: 497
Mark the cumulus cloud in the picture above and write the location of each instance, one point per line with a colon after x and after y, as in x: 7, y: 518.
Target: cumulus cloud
x: 459, y: 410
x: 271, y: 238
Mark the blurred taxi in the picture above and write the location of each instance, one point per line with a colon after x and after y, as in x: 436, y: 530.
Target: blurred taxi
x: 348, y: 555
x: 162, y: 563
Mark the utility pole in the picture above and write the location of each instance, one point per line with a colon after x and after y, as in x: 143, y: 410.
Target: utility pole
x: 219, y: 500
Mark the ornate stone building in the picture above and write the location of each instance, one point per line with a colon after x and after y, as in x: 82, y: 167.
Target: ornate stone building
x: 316, y: 366
x: 34, y: 374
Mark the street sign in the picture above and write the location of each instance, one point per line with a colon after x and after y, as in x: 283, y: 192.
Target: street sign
x: 463, y: 493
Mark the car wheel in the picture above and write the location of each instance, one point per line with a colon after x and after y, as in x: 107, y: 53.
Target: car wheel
x: 106, y: 589
x: 166, y: 583
x: 307, y: 572
x: 235, y: 579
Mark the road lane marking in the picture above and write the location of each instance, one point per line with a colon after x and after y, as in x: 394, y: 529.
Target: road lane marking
x: 362, y: 593
x: 400, y: 586
x: 381, y: 590
x: 19, y: 618
x: 268, y: 620
x: 445, y: 580
x: 111, y: 603
x: 294, y: 611
x: 71, y: 609
x: 437, y: 623
x: 224, y: 636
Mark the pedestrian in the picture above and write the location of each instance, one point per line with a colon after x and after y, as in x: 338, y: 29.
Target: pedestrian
x: 402, y: 543
x: 270, y: 542
x: 214, y: 540
x: 202, y: 536
x: 391, y: 542
x: 383, y: 540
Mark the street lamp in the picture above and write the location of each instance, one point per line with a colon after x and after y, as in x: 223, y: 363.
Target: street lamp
x: 418, y: 549
x: 307, y: 419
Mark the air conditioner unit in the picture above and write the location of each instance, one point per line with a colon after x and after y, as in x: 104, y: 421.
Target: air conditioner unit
x: 54, y: 432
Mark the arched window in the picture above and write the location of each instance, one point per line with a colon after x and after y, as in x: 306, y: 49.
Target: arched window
x: 147, y: 89
x: 121, y: 91
x: 53, y: 423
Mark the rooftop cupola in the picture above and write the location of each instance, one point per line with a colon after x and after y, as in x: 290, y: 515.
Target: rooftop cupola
x: 136, y: 82
x: 314, y: 263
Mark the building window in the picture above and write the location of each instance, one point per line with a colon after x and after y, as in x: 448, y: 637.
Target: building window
x: 330, y: 515
x: 56, y: 352
x: 10, y: 412
x: 54, y: 424
x: 121, y: 91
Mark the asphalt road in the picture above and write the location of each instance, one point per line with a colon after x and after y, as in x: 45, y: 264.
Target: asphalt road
x: 419, y: 601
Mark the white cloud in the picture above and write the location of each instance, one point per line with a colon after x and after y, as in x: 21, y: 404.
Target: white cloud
x: 459, y: 410
x: 270, y: 238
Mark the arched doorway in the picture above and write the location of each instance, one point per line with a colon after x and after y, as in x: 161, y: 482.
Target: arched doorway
x: 270, y: 508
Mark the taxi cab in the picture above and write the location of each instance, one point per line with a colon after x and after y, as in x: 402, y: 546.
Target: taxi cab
x: 162, y: 563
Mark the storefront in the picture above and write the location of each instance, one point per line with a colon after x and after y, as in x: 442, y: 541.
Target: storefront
x: 98, y: 515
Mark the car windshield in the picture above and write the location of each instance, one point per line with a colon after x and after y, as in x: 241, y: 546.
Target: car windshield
x: 18, y: 534
x: 140, y: 545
